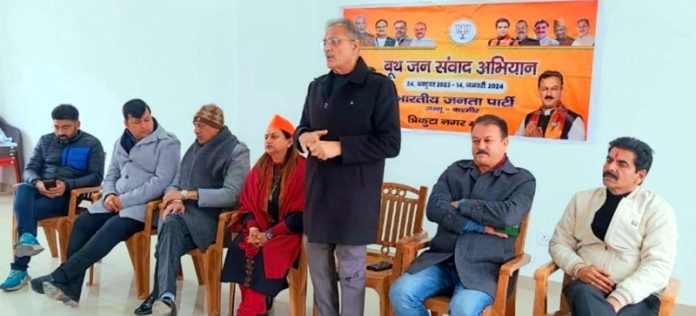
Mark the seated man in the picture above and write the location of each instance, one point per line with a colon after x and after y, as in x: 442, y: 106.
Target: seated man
x: 67, y: 159
x: 144, y: 162
x: 211, y: 177
x: 619, y: 241
x: 488, y: 190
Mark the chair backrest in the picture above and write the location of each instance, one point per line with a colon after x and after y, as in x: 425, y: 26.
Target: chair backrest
x: 401, y: 213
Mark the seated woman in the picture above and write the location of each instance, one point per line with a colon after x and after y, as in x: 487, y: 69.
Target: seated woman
x: 270, y: 228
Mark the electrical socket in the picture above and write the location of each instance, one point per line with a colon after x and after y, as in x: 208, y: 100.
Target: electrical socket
x: 543, y: 239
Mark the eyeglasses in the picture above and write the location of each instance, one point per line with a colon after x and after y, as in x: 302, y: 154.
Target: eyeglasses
x: 334, y: 41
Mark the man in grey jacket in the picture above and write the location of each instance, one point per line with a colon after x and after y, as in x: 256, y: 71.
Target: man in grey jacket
x: 470, y: 201
x: 210, y: 180
x: 66, y: 159
x: 144, y: 162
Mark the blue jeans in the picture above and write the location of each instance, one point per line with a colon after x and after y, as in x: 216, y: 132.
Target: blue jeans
x: 30, y: 207
x: 410, y: 290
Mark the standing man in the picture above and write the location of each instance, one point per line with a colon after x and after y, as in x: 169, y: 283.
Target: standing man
x: 381, y: 39
x: 553, y: 119
x: 144, y: 162
x: 211, y: 176
x: 470, y: 200
x: 523, y: 39
x: 366, y: 39
x: 349, y: 125
x: 67, y: 159
x: 421, y: 40
x: 619, y: 241
x: 402, y: 40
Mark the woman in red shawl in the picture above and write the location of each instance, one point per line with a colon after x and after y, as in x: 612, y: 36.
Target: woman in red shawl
x: 270, y: 228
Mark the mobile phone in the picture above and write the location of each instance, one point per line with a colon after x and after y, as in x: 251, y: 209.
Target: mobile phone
x: 49, y: 183
x: 379, y: 266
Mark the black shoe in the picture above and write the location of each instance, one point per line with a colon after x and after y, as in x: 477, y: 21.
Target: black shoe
x: 146, y: 307
x: 37, y: 283
x: 165, y: 306
x: 57, y: 292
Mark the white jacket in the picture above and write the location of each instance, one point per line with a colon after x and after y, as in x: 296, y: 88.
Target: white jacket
x: 639, y: 248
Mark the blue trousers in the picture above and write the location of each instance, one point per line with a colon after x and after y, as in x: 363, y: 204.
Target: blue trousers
x: 30, y: 207
x: 410, y: 290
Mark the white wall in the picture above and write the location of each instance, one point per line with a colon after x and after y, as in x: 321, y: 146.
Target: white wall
x: 255, y: 58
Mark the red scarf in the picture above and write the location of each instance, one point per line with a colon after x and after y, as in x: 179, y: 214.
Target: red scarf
x: 280, y: 252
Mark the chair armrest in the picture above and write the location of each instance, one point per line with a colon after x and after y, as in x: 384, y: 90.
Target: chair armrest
x: 150, y: 210
x: 541, y: 287
x: 508, y: 269
x: 223, y: 220
x: 408, y: 248
x: 398, y: 260
x: 75, y: 194
x: 668, y: 297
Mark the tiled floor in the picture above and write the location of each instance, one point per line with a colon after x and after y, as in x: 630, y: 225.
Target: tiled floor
x: 114, y: 293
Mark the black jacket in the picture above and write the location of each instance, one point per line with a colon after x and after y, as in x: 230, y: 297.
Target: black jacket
x: 79, y: 162
x: 343, y: 193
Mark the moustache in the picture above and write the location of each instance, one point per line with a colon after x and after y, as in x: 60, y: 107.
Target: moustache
x: 610, y: 175
x: 548, y: 97
x: 482, y: 151
x: 63, y: 136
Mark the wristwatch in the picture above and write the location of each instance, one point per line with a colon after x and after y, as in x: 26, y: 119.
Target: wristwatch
x: 269, y: 235
x: 184, y: 194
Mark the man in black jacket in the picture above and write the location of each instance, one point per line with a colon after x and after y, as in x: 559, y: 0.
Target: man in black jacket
x: 350, y: 125
x: 64, y: 160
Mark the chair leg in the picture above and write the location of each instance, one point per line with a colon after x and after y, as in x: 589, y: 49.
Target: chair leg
x: 233, y: 287
x: 64, y: 228
x: 510, y: 306
x: 384, y: 306
x: 51, y: 240
x: 14, y: 229
x: 139, y: 251
x: 180, y: 276
x: 213, y: 287
x: 199, y: 266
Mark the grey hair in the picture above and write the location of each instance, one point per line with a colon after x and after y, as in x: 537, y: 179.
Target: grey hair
x: 352, y: 29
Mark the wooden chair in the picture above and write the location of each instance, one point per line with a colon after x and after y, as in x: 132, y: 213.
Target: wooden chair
x: 62, y: 225
x: 400, y: 218
x: 541, y: 277
x: 297, y: 280
x: 504, y: 301
x: 139, y: 250
x: 208, y: 263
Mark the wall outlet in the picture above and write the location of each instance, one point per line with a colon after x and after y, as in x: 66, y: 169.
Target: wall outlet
x: 543, y: 239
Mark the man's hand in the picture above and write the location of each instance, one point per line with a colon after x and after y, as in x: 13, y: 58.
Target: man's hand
x: 324, y: 150
x: 41, y: 187
x: 455, y: 204
x: 171, y: 196
x: 175, y: 207
x: 614, y: 303
x: 253, y: 237
x: 532, y: 130
x: 491, y: 231
x: 309, y: 138
x: 596, y: 277
x: 56, y: 191
x: 112, y: 203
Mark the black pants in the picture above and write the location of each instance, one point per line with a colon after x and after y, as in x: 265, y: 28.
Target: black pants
x: 92, y: 238
x: 587, y: 300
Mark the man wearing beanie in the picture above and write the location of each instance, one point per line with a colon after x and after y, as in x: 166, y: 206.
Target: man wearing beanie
x: 144, y: 162
x: 210, y: 178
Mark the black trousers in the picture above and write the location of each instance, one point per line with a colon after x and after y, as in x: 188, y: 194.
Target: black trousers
x: 587, y: 300
x: 92, y: 238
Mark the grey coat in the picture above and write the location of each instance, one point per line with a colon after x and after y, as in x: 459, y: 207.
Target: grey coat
x: 499, y: 198
x: 216, y: 170
x: 141, y: 175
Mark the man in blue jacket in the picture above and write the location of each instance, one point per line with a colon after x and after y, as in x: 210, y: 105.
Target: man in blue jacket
x: 144, y: 162
x: 470, y: 200
x: 66, y: 159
